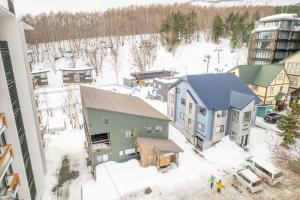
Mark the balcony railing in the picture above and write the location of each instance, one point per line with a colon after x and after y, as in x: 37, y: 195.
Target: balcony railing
x: 6, y: 156
x: 10, y: 191
x: 3, y: 122
x: 101, y: 145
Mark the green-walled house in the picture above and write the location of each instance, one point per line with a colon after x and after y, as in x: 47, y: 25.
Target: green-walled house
x: 114, y: 122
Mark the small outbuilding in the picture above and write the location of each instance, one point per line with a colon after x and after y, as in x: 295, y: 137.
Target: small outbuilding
x: 77, y: 75
x: 264, y: 109
x: 39, y: 77
x: 157, y: 152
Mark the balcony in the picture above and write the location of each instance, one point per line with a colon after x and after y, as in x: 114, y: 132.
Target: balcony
x: 102, y: 145
x: 12, y: 185
x: 6, y: 156
x: 3, y: 122
x: 8, y: 5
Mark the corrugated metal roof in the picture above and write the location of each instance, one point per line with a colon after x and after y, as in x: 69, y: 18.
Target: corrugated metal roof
x: 116, y: 102
x: 260, y: 75
x: 222, y: 91
x: 163, y: 145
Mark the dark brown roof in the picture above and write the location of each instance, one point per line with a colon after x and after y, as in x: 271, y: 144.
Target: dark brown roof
x: 163, y: 145
x: 116, y: 102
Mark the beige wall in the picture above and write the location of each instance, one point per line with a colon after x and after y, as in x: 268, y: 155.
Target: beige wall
x: 292, y: 67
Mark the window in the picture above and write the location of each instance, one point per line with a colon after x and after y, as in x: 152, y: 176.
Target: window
x: 201, y: 127
x: 247, y: 117
x: 220, y: 129
x: 245, y: 179
x: 189, y: 123
x: 280, y: 77
x: 233, y: 135
x: 294, y: 81
x: 106, y: 120
x: 182, y: 115
x: 183, y: 101
x: 202, y: 110
x: 171, y: 98
x: 221, y: 113
x: 235, y: 116
x: 281, y: 88
x: 101, y: 140
x: 158, y: 128
x: 130, y: 152
x: 190, y: 107
x: 149, y: 129
x: 170, y: 111
x: 178, y: 90
x: 271, y: 90
x: 102, y: 158
x: 128, y: 134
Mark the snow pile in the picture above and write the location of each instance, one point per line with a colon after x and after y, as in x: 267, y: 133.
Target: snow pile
x: 225, y: 154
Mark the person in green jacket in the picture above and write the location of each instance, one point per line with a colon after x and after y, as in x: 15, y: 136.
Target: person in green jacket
x: 212, y: 181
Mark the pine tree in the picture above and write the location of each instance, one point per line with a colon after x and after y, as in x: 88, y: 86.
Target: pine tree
x: 218, y: 28
x: 289, y: 125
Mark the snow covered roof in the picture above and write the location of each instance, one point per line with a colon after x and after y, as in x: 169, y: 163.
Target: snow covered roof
x: 283, y: 16
x: 162, y: 145
x: 249, y: 174
x: 39, y: 71
x: 167, y: 80
x: 221, y: 91
x: 267, y: 165
x: 75, y: 69
x: 116, y: 102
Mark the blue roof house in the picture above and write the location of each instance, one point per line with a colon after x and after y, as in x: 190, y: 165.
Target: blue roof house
x: 210, y: 106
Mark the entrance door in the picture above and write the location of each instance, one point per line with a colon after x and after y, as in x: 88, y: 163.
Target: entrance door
x: 77, y: 77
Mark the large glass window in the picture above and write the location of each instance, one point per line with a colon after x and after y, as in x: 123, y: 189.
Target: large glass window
x: 201, y: 127
x: 202, y: 110
x: 221, y: 113
x: 235, y: 116
x: 220, y: 129
x: 247, y: 117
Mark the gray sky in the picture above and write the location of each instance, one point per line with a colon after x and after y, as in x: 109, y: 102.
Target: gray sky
x: 38, y: 6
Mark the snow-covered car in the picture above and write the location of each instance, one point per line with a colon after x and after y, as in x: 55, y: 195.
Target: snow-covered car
x: 272, y: 118
x: 266, y: 170
x: 249, y: 180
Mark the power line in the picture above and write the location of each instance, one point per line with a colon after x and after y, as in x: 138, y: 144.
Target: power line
x: 113, y: 182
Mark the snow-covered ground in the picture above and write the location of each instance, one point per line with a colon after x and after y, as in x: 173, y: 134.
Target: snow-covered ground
x: 60, y: 108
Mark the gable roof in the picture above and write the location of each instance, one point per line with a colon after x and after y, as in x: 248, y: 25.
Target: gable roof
x: 260, y: 75
x: 116, y: 102
x: 222, y: 91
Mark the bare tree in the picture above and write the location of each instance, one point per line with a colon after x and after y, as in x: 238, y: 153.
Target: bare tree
x: 145, y: 54
x: 114, y: 50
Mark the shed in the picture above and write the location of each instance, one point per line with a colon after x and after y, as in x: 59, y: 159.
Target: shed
x: 157, y: 152
x: 262, y: 110
x: 129, y: 81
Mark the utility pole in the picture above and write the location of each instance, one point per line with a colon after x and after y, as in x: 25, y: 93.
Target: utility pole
x: 218, y: 50
x: 206, y: 59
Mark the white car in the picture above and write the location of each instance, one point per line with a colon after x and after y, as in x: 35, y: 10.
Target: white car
x: 266, y: 170
x: 249, y: 180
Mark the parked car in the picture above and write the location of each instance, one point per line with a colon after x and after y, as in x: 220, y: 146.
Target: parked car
x: 267, y: 171
x: 249, y: 180
x: 272, y: 118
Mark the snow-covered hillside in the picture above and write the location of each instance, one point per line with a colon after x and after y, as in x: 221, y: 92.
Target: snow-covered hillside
x: 188, y: 59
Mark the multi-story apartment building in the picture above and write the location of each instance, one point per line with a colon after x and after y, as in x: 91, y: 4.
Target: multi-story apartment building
x: 208, y: 107
x: 274, y: 38
x: 21, y: 146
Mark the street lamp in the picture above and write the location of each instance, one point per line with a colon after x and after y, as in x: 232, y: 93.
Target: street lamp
x: 218, y: 50
x: 206, y: 59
